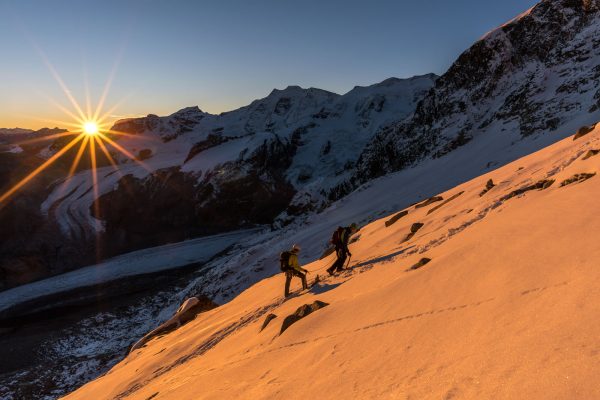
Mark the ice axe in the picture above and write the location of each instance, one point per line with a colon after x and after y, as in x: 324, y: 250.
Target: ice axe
x: 348, y: 263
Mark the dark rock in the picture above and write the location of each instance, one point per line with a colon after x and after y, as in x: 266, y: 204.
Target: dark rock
x: 429, y: 201
x: 421, y: 263
x: 540, y: 185
x: 268, y: 319
x: 444, y: 203
x: 144, y: 154
x: 395, y: 218
x: 590, y: 154
x: 300, y: 313
x: 413, y: 229
x: 489, y: 185
x: 584, y: 130
x: 212, y: 140
x: 577, y: 178
x: 283, y: 106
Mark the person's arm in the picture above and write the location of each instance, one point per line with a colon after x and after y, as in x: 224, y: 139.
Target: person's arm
x: 294, y: 264
x: 346, y: 241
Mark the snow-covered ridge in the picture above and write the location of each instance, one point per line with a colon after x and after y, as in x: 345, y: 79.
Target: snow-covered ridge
x: 316, y: 134
x: 485, y: 300
x: 536, y: 75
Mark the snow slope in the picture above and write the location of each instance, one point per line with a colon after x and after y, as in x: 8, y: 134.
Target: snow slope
x: 506, y: 308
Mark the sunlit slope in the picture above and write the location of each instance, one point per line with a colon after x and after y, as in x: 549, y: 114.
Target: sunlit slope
x: 507, y: 307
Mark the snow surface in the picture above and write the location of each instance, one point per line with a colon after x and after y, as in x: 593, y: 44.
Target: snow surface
x: 507, y: 308
x: 140, y: 262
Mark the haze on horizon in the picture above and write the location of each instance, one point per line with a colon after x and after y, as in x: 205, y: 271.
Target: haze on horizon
x: 222, y: 56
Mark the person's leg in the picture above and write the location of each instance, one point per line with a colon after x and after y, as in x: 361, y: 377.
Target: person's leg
x: 335, y: 265
x: 304, y: 284
x: 302, y: 278
x: 341, y: 260
x: 288, y: 279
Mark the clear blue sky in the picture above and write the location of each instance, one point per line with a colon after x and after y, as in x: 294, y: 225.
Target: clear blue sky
x: 220, y: 55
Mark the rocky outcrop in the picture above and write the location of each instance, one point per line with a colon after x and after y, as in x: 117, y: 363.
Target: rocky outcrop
x: 488, y: 186
x: 422, y: 262
x: 448, y: 200
x: 268, y: 320
x: 395, y: 218
x: 590, y: 153
x: 413, y: 230
x: 301, y: 312
x: 188, y: 310
x: 577, y: 178
x: 584, y: 130
x: 540, y: 185
x: 429, y: 201
x: 172, y: 205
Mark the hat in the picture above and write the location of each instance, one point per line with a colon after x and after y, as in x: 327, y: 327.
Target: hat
x: 296, y: 248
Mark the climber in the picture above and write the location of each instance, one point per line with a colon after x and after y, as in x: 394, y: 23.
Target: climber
x: 289, y: 264
x: 340, y: 240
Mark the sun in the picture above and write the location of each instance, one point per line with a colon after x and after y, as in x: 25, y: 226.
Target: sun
x: 90, y: 128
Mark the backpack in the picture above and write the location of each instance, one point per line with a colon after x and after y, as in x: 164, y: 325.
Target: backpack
x: 284, y: 261
x: 336, y: 238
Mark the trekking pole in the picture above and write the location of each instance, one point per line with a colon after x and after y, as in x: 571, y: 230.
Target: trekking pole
x: 348, y: 263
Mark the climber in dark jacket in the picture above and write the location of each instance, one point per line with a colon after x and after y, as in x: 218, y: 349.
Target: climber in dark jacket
x: 340, y: 240
x: 293, y: 269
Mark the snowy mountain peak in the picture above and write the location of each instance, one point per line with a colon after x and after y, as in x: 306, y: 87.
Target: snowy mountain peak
x: 538, y: 74
x: 190, y: 112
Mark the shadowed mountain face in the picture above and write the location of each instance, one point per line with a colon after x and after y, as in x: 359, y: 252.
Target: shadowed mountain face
x: 532, y: 76
x: 266, y: 163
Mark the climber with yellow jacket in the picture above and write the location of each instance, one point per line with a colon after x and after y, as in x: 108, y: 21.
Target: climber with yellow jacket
x: 289, y: 264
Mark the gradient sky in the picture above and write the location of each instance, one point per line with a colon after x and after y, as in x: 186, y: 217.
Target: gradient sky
x: 221, y: 55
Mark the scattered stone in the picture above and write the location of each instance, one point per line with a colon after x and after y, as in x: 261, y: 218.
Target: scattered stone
x: 422, y: 262
x: 144, y: 154
x: 584, y: 130
x: 540, y: 185
x: 413, y: 229
x: 395, y: 218
x: 429, y: 201
x: 488, y: 186
x: 269, y: 318
x: 577, y: 178
x: 590, y: 154
x: 445, y: 202
x: 300, y: 313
